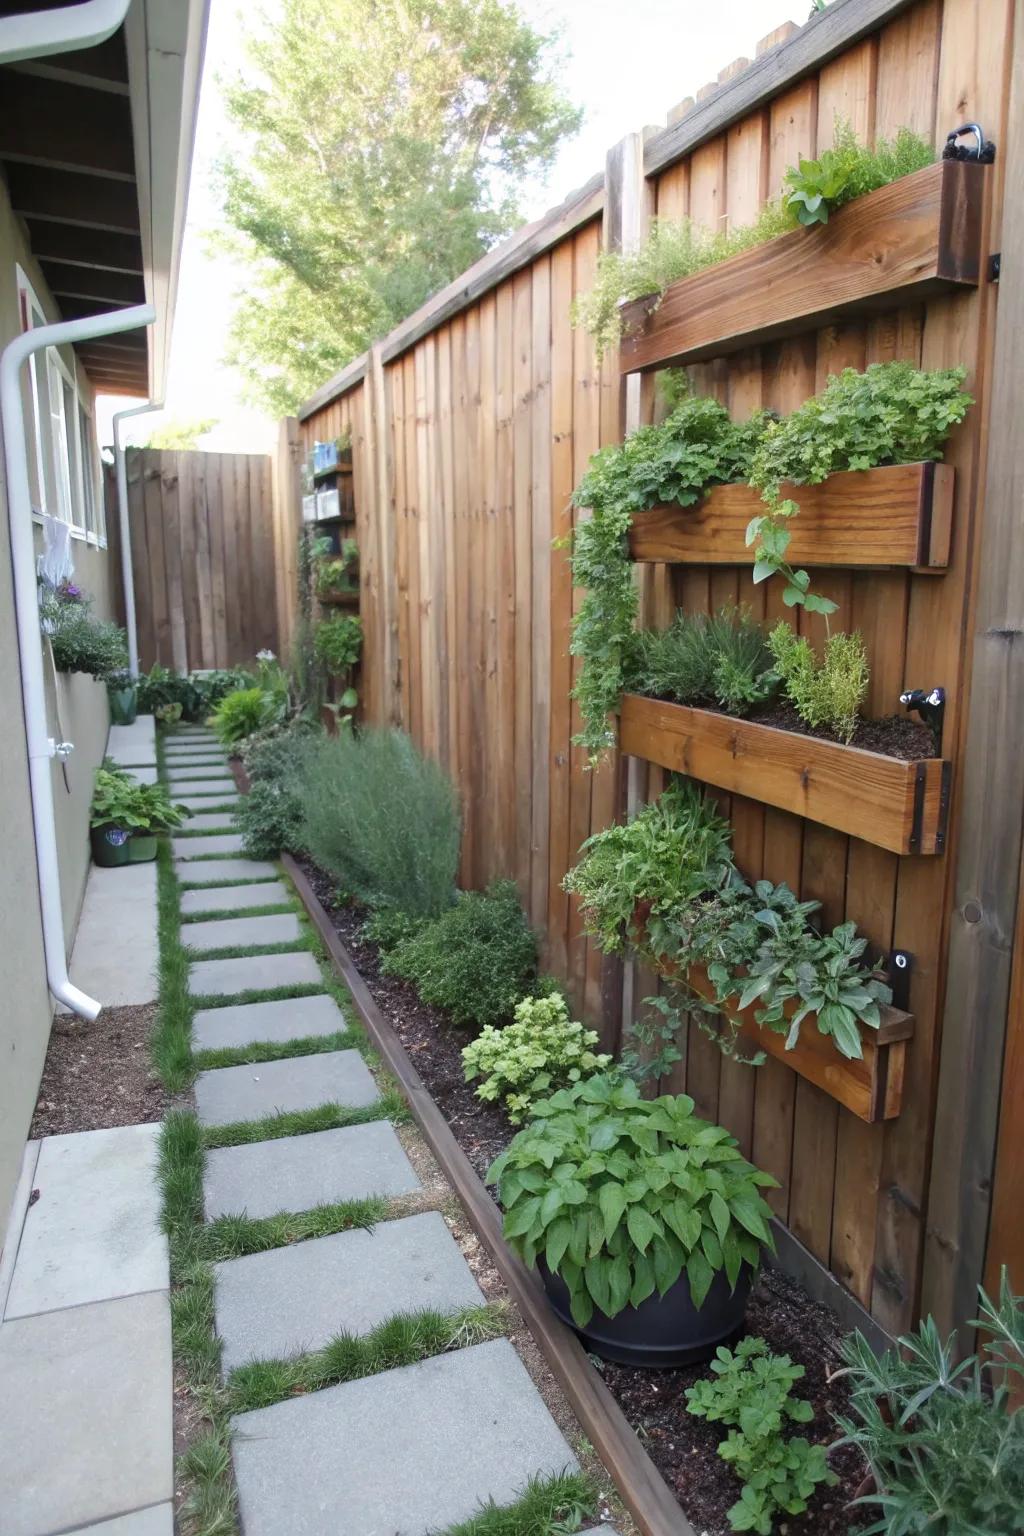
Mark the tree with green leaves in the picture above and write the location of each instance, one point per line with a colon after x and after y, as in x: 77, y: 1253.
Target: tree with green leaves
x: 383, y: 145
x: 178, y: 434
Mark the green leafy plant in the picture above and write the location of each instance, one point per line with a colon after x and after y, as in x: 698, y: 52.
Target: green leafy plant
x: 119, y: 801
x: 382, y: 819
x: 540, y: 1051
x: 269, y: 818
x: 476, y: 960
x: 242, y: 714
x: 337, y: 643
x: 651, y: 1050
x: 848, y: 170
x: 697, y: 447
x: 196, y: 694
x: 335, y: 576
x: 721, y: 660
x: 752, y: 1393
x: 828, y: 694
x: 621, y: 1195
x: 82, y: 643
x: 673, y: 852
x: 941, y: 1434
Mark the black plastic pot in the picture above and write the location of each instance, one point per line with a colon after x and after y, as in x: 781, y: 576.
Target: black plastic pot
x: 663, y: 1330
x: 142, y: 848
x: 109, y: 845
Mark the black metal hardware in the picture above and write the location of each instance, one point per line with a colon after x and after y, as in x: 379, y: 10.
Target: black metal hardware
x: 995, y: 262
x: 930, y: 704
x: 982, y: 149
x: 901, y: 963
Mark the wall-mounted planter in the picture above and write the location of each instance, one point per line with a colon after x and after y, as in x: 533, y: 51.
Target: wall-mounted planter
x: 339, y: 599
x: 898, y: 515
x: 918, y: 236
x: 888, y: 801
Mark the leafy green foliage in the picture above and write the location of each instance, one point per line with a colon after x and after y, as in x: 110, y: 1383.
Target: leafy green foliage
x: 243, y: 713
x: 337, y: 574
x: 848, y: 170
x: 621, y: 1195
x: 80, y: 642
x: 722, y: 660
x: 337, y: 643
x: 674, y: 851
x: 269, y: 818
x: 540, y: 1051
x: 827, y: 694
x: 752, y: 1394
x: 382, y: 148
x: 697, y: 447
x: 476, y: 960
x: 118, y: 801
x: 651, y: 1049
x: 196, y: 695
x: 387, y: 927
x: 941, y: 1435
x: 179, y: 435
x: 382, y: 820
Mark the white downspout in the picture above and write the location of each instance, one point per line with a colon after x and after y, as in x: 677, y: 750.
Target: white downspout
x: 128, y: 580
x: 38, y: 34
x: 41, y: 746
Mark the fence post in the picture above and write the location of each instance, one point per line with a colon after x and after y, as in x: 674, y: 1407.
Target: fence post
x: 382, y: 511
x: 287, y: 520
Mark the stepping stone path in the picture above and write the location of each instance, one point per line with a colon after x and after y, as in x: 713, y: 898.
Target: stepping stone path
x: 407, y: 1451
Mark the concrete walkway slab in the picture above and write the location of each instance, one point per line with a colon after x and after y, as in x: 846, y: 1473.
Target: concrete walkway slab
x: 141, y: 732
x: 227, y: 1094
x: 132, y: 756
x: 226, y: 796
x: 92, y: 1435
x: 297, y: 1173
x: 116, y: 953
x: 144, y: 775
x: 291, y: 1018
x: 94, y: 1232
x: 210, y: 821
x: 215, y: 771
x: 157, y: 1520
x: 293, y: 1300
x: 222, y: 933
x: 184, y: 757
x: 232, y: 898
x: 214, y: 872
x: 252, y: 973
x: 203, y: 847
x: 473, y: 1415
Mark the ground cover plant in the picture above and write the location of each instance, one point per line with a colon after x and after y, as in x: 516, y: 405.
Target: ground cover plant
x: 382, y: 820
x: 475, y: 960
x: 541, y: 1051
x: 752, y: 1394
x: 675, y: 249
x: 642, y: 1192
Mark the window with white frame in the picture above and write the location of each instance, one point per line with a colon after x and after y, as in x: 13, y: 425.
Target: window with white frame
x: 92, y: 484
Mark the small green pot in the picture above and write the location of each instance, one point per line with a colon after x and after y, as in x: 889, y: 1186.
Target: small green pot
x: 142, y: 848
x: 110, y: 846
x: 124, y: 703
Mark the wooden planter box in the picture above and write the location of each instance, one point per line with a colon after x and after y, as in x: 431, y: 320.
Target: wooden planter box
x: 899, y: 515
x: 339, y: 599
x: 916, y: 237
x: 899, y: 805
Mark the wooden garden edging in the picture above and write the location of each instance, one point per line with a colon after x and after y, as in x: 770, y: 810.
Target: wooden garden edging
x: 640, y: 1484
x: 909, y: 240
x: 898, y: 515
x: 888, y: 801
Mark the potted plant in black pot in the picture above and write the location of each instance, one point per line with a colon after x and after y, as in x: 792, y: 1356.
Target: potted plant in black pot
x: 646, y: 1223
x: 126, y: 818
x: 123, y: 697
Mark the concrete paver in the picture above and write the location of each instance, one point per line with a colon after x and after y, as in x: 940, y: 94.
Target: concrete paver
x: 290, y: 1018
x: 227, y: 1094
x: 251, y: 973
x: 210, y: 821
x: 296, y: 1173
x: 157, y: 1520
x: 214, y: 872
x: 116, y: 952
x: 232, y: 898
x: 205, y: 847
x: 221, y: 933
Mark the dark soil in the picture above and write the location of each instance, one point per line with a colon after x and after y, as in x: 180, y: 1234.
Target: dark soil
x: 894, y: 736
x: 98, y: 1075
x: 684, y: 1449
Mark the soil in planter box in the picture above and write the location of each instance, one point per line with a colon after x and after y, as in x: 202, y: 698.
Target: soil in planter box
x: 899, y: 736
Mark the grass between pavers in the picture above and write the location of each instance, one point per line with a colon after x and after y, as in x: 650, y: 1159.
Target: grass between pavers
x: 299, y: 946
x: 225, y: 885
x: 197, y: 832
x: 223, y: 914
x: 303, y: 1122
x: 259, y: 1051
x: 546, y: 1505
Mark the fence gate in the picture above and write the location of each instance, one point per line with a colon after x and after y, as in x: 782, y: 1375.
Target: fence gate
x: 202, y: 556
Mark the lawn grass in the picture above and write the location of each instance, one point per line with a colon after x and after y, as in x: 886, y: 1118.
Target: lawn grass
x: 547, y: 1505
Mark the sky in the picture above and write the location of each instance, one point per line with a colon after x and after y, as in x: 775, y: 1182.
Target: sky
x: 625, y: 64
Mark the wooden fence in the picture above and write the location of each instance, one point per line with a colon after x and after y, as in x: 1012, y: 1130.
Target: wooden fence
x: 472, y: 423
x: 203, y: 556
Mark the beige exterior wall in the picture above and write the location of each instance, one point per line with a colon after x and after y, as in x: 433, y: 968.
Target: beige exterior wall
x: 80, y: 706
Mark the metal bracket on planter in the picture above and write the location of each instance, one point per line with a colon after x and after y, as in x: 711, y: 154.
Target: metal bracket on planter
x: 982, y: 149
x: 901, y: 963
x: 995, y: 263
x: 930, y: 704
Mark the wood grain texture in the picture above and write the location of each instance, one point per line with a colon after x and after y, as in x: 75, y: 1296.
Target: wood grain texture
x: 910, y: 239
x: 898, y: 515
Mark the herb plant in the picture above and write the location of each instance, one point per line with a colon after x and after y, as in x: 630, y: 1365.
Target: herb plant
x: 828, y: 694
x: 941, y: 1435
x: 540, y: 1051
x: 476, y: 960
x: 723, y: 660
x: 269, y: 819
x: 337, y: 643
x: 849, y: 170
x: 620, y: 1195
x: 335, y: 575
x: 82, y: 643
x: 752, y: 1394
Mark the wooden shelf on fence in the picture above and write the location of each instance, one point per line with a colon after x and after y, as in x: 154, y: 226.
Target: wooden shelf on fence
x: 339, y: 599
x: 335, y: 469
x: 895, y: 804
x: 918, y: 236
x: 899, y: 515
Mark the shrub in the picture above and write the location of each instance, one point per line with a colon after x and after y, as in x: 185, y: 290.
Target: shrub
x: 829, y: 694
x: 382, y: 820
x: 269, y: 818
x: 723, y: 660
x: 195, y: 694
x: 752, y: 1394
x: 337, y: 643
x: 541, y: 1051
x: 941, y: 1435
x: 475, y: 960
x: 644, y: 1191
x: 81, y: 643
x: 243, y: 713
x: 387, y: 927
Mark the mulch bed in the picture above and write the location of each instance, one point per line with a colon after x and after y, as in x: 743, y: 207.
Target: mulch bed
x: 99, y: 1075
x: 684, y: 1449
